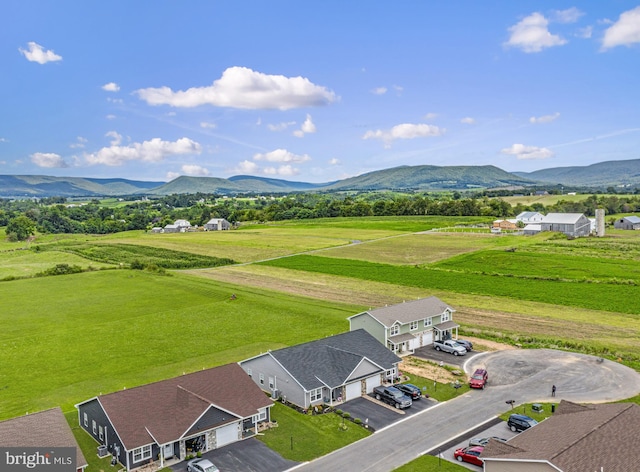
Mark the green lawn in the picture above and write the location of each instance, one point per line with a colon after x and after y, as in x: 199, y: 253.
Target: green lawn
x: 65, y: 339
x: 429, y: 463
x: 302, y: 438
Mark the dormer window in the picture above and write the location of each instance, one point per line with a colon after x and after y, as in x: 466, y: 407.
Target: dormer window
x: 446, y: 315
x: 395, y: 329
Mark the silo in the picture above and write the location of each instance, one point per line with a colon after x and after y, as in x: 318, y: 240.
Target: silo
x: 600, y: 222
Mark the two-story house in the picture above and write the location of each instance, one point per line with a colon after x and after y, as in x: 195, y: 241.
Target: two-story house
x: 409, y: 325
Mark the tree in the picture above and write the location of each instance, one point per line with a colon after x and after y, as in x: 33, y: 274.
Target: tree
x: 20, y: 228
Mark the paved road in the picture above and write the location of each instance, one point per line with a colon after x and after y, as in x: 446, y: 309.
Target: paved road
x: 522, y: 375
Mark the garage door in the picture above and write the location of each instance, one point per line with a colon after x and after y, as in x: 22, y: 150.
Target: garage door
x: 373, y: 382
x: 427, y: 338
x: 353, y: 390
x: 226, y: 434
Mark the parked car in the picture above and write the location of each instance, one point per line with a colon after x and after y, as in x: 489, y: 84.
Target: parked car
x: 451, y: 346
x: 470, y: 455
x: 392, y: 396
x: 479, y: 379
x: 410, y: 390
x: 518, y: 423
x: 484, y: 441
x: 468, y: 345
x: 201, y: 465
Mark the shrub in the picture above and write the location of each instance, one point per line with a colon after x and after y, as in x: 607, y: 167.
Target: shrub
x: 357, y: 421
x: 346, y: 415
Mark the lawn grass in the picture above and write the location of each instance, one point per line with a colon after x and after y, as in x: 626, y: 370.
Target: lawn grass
x: 428, y: 463
x: 98, y: 332
x: 88, y: 445
x: 302, y: 438
x: 526, y: 409
x: 27, y: 263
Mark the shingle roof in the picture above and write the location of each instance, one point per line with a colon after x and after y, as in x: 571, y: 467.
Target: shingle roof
x: 580, y: 437
x: 331, y: 360
x: 632, y: 219
x: 410, y: 311
x: 47, y: 428
x: 163, y: 411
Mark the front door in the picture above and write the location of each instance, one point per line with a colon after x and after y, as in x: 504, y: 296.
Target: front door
x: 167, y: 451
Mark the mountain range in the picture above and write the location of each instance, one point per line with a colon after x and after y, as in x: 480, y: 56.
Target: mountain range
x: 422, y: 178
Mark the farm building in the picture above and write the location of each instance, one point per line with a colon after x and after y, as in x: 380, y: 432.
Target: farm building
x: 571, y: 224
x: 628, y: 222
x: 530, y: 217
x: 506, y: 224
x: 330, y: 370
x: 217, y: 224
x: 169, y: 419
x: 407, y: 326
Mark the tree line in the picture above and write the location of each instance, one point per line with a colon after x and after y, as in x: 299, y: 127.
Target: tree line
x: 23, y: 218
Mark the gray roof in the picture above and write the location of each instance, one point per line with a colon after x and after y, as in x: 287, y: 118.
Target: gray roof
x: 562, y: 218
x: 632, y: 219
x: 410, y: 311
x: 578, y: 438
x: 525, y: 215
x: 330, y: 361
x: 446, y: 325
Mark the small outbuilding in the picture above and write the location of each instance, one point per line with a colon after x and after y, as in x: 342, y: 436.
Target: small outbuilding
x: 627, y: 222
x: 217, y: 224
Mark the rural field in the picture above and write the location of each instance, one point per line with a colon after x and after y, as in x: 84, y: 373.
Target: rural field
x: 66, y: 338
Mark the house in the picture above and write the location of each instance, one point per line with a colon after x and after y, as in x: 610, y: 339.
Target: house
x: 408, y: 326
x: 506, y: 224
x: 531, y: 229
x: 172, y: 418
x: 530, y: 217
x: 329, y: 370
x: 577, y: 438
x: 182, y: 225
x: 217, y: 224
x: 628, y: 222
x: 171, y: 229
x: 44, y: 430
x: 571, y: 224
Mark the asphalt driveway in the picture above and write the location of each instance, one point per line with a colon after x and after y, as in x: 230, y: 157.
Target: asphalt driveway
x: 380, y: 416
x: 430, y: 354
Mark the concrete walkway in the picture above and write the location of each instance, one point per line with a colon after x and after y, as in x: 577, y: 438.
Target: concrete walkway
x: 522, y: 375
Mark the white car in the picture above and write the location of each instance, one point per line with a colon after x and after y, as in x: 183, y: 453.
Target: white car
x: 201, y: 465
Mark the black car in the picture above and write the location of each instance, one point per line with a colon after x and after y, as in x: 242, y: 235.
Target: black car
x: 410, y: 390
x: 520, y: 422
x: 468, y: 345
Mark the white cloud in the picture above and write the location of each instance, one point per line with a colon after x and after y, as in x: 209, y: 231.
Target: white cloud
x: 430, y: 116
x: 625, y: 31
x: 585, y: 33
x: 532, y: 35
x: 4, y: 140
x: 154, y: 150
x: 205, y: 124
x: 241, y: 87
x: 379, y: 90
x: 173, y: 175
x: 334, y: 162
x: 528, y: 152
x: 48, y: 159
x: 306, y: 128
x: 247, y: 167
x: 110, y: 117
x: 404, y: 131
x: 544, y: 118
x: 119, y: 101
x: 80, y: 143
x: 116, y: 138
x: 398, y: 89
x: 195, y: 170
x: 280, y: 126
x: 36, y: 53
x: 570, y: 15
x: 111, y: 87
x: 281, y: 155
x: 468, y: 121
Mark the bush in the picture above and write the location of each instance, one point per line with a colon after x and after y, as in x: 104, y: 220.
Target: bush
x: 339, y: 412
x: 357, y: 421
x: 346, y: 415
x: 137, y: 265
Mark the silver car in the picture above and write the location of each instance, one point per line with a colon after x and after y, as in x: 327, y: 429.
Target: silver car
x: 201, y: 465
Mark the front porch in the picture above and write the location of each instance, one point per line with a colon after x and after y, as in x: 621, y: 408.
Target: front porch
x: 401, y: 344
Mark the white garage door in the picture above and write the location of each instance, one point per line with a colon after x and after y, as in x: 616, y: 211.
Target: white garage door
x: 427, y: 338
x: 373, y: 382
x: 226, y: 434
x: 353, y: 390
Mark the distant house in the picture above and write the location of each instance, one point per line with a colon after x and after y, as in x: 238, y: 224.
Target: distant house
x: 407, y: 326
x: 571, y: 224
x: 170, y: 229
x: 44, y: 429
x: 506, y: 224
x: 530, y: 217
x: 531, y: 229
x: 179, y: 226
x: 217, y: 224
x: 628, y: 222
x: 172, y: 418
x: 577, y: 438
x: 329, y: 370
x: 156, y: 229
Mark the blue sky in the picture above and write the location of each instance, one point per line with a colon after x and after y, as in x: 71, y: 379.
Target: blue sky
x: 314, y: 91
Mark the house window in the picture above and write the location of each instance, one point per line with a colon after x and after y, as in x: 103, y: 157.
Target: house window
x: 261, y: 379
x: 261, y: 416
x: 391, y: 373
x: 142, y: 453
x: 101, y: 432
x: 428, y: 322
x: 413, y: 326
x: 249, y: 372
x: 445, y: 316
x: 86, y: 419
x: 316, y: 394
x: 94, y: 426
x: 271, y: 383
x: 395, y: 329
